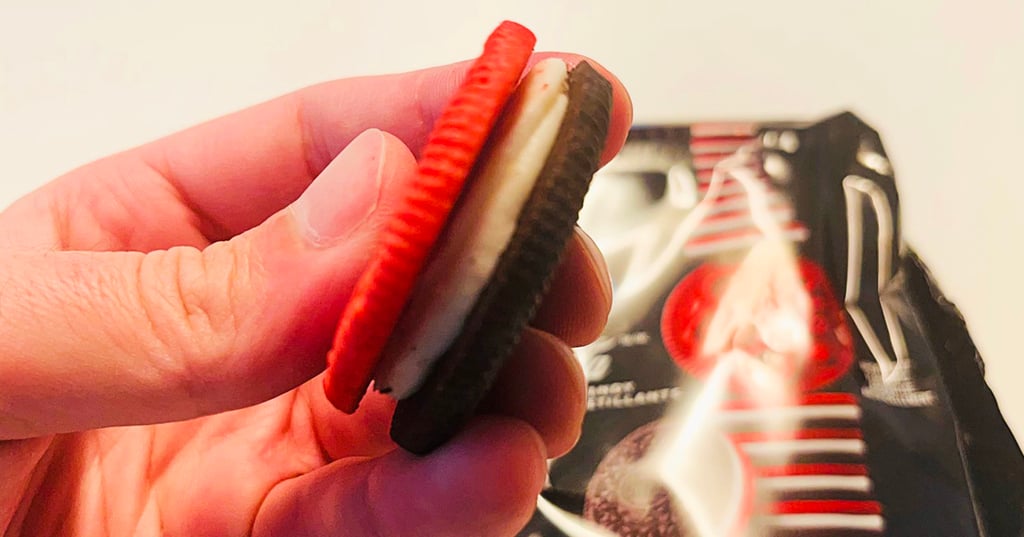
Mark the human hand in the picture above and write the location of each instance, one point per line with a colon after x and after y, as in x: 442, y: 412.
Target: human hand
x: 165, y: 313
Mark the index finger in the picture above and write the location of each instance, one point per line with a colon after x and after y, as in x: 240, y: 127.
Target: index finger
x: 236, y: 171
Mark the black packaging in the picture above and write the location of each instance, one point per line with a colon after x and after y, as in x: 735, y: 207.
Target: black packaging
x: 777, y: 362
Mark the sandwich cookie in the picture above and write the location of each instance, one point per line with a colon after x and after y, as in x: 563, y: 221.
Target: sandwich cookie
x: 479, y: 278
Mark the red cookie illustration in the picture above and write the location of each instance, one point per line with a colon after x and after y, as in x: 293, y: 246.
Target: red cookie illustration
x: 691, y: 306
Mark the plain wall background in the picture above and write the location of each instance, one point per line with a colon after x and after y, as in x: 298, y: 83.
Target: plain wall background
x: 942, y: 81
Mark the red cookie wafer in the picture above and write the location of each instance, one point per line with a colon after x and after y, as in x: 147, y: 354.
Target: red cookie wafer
x: 458, y: 137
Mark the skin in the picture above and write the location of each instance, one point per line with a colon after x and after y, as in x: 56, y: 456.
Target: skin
x: 165, y: 316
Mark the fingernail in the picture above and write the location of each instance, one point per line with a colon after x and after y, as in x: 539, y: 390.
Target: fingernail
x: 597, y: 258
x: 346, y: 193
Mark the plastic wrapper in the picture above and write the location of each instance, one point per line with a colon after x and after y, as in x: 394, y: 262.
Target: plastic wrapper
x: 777, y: 361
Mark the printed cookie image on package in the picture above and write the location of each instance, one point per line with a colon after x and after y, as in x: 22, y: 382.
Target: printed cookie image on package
x: 777, y: 362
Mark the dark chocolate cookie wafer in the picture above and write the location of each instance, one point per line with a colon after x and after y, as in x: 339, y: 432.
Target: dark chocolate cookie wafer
x: 464, y: 374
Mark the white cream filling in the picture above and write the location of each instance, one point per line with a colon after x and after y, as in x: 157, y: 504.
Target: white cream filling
x: 478, y: 232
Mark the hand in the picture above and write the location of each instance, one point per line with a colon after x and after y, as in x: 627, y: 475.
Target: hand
x: 164, y: 317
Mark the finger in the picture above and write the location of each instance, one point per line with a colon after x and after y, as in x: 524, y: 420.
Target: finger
x: 266, y: 155
x: 96, y: 339
x: 223, y: 177
x: 485, y: 482
x: 577, y: 304
x: 364, y: 433
x: 541, y: 384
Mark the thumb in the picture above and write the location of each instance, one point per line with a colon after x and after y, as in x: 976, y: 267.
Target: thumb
x: 93, y: 339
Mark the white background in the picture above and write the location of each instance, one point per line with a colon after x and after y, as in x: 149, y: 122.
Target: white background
x: 942, y: 81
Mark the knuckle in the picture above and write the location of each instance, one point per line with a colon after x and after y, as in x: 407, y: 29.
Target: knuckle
x: 194, y: 302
